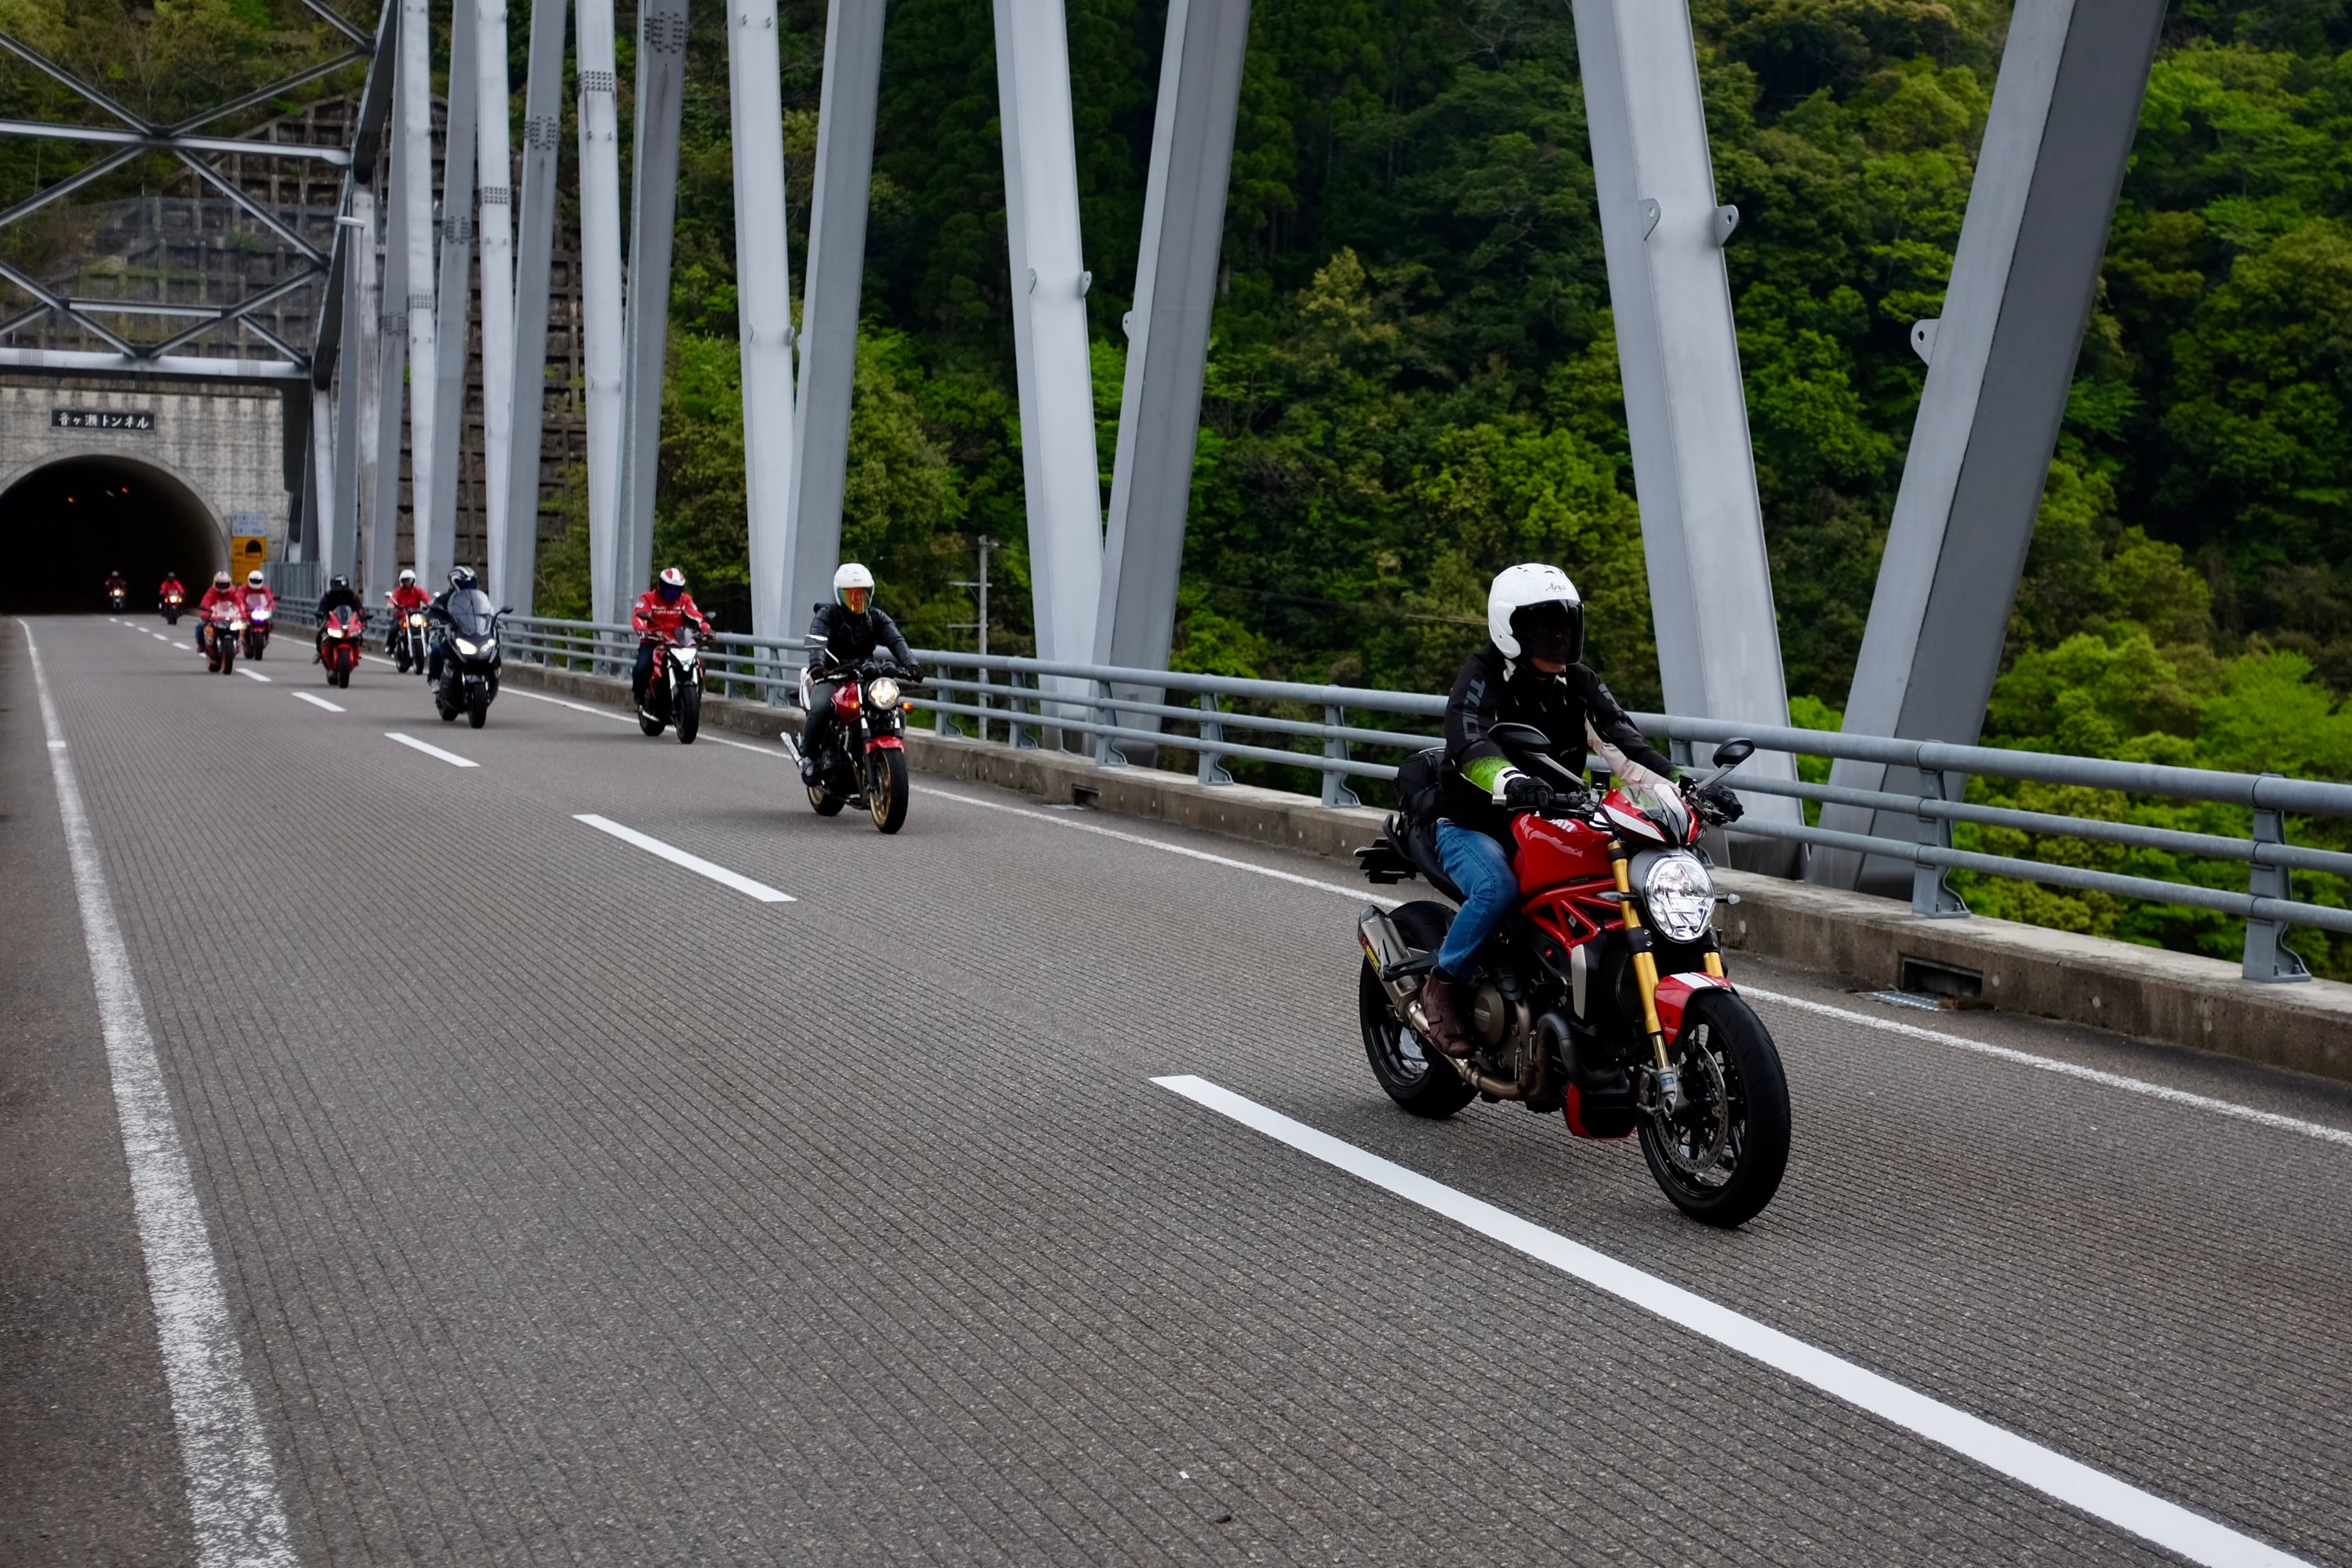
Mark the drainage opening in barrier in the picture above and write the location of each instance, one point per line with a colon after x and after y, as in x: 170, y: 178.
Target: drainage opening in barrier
x: 1937, y: 979
x: 1085, y: 795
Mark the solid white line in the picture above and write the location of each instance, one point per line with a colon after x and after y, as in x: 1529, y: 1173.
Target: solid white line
x: 254, y: 675
x: 1190, y: 854
x: 320, y: 702
x: 2141, y: 1513
x: 232, y: 1480
x: 411, y: 742
x: 575, y: 707
x: 677, y: 856
x: 2271, y: 1119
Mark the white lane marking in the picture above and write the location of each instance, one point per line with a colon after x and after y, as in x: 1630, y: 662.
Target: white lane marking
x: 232, y: 1480
x: 320, y: 702
x: 677, y: 856
x: 1161, y: 845
x: 159, y: 636
x: 745, y: 746
x: 413, y: 743
x: 255, y: 675
x: 2023, y: 1058
x: 2063, y: 1069
x: 2045, y: 1470
x: 575, y: 707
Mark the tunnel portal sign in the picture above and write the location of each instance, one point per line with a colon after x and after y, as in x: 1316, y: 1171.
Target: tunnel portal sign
x: 102, y: 418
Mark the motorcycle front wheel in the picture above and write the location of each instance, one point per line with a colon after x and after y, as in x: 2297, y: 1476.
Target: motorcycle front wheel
x: 1721, y: 1157
x: 689, y: 715
x: 1410, y: 1069
x: 478, y: 711
x: 886, y: 789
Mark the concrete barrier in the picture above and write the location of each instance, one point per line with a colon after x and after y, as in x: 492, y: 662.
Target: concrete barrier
x: 2143, y: 992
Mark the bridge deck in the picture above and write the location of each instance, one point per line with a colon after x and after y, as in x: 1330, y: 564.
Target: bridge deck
x: 575, y: 1207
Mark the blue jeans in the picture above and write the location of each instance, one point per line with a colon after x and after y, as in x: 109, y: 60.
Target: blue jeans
x: 1490, y: 891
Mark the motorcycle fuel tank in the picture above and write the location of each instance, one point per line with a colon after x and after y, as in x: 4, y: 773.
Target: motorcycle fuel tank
x: 1551, y: 853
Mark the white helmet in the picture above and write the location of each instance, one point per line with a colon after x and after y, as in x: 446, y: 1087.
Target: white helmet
x: 851, y: 575
x: 408, y: 578
x: 255, y: 580
x: 1534, y: 599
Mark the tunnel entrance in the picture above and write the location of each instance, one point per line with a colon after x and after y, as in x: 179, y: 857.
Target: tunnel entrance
x: 64, y: 526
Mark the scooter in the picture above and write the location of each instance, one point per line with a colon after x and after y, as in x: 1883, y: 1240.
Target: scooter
x: 470, y: 658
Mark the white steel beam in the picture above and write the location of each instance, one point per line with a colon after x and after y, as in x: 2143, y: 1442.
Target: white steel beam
x: 493, y: 95
x: 2000, y: 364
x: 454, y: 292
x: 764, y: 305
x: 653, y: 208
x: 1663, y: 233
x: 165, y: 367
x: 320, y: 544
x: 1168, y: 332
x: 1059, y: 472
x: 380, y: 524
x: 600, y: 288
x: 355, y: 410
x: 542, y: 126
x: 829, y: 311
x: 415, y: 198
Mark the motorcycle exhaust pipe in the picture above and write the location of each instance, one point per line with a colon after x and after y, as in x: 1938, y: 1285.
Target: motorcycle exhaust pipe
x: 1384, y: 948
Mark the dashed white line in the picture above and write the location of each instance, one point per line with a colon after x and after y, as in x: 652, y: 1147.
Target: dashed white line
x: 2271, y: 1119
x: 677, y: 856
x: 2045, y: 1470
x: 320, y: 702
x: 414, y: 744
x: 232, y: 1481
x: 255, y: 675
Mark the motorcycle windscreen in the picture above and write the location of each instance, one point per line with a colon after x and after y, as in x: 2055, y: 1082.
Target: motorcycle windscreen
x: 471, y: 612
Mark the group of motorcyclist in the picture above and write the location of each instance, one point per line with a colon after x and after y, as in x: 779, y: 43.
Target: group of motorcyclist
x: 1529, y: 673
x: 253, y: 593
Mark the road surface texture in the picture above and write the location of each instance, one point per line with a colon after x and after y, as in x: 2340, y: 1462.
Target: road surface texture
x: 571, y: 1206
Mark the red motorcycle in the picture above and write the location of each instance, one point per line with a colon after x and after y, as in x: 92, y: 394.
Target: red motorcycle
x: 257, y: 617
x: 340, y: 636
x: 865, y: 762
x: 1603, y: 998
x: 223, y: 625
x: 172, y: 601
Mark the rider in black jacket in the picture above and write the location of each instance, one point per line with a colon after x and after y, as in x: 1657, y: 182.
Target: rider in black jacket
x: 339, y: 595
x: 1528, y: 674
x: 852, y: 627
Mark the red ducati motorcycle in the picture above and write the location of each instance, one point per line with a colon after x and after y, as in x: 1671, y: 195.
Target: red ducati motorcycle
x: 339, y: 643
x: 223, y: 626
x: 1603, y: 998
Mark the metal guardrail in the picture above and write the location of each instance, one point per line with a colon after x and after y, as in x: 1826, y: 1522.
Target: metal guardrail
x: 1112, y: 711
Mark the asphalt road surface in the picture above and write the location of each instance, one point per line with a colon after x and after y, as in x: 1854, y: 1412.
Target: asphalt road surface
x: 1013, y: 1191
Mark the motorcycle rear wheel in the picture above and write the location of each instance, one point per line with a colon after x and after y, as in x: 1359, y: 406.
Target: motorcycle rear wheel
x: 689, y: 715
x: 824, y: 802
x: 1411, y: 1070
x: 1724, y: 1044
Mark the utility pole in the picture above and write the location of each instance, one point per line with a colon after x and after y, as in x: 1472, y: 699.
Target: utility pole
x: 980, y: 587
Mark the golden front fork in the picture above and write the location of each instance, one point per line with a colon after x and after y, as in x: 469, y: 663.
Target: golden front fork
x: 1645, y: 962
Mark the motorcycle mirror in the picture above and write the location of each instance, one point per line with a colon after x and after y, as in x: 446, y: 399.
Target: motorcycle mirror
x: 1733, y: 753
x: 506, y: 609
x: 1526, y: 735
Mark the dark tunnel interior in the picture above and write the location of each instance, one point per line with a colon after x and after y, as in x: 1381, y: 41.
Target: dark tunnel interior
x: 64, y: 527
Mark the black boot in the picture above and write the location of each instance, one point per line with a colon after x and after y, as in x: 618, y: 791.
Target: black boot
x: 1440, y: 1005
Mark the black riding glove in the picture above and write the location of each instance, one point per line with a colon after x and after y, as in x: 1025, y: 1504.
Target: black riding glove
x: 1525, y: 794
x: 914, y: 672
x: 1715, y: 802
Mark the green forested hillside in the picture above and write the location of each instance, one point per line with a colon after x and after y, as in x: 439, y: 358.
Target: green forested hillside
x: 1413, y: 378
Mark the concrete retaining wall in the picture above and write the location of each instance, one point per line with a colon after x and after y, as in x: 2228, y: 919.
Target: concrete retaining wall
x: 2142, y: 991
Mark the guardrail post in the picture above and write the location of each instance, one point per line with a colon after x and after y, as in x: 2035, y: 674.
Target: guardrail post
x: 1212, y: 767
x: 2268, y: 958
x: 1106, y: 752
x: 1016, y: 730
x: 1930, y: 894
x: 1334, y: 748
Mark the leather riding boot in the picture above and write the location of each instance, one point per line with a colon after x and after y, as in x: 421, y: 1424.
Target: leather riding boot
x: 1440, y: 1005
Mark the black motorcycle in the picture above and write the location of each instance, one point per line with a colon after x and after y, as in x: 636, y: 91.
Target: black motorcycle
x: 673, y: 694
x: 470, y: 658
x: 865, y: 762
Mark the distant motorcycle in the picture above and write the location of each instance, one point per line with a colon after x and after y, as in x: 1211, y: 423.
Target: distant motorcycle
x: 470, y: 658
x: 339, y: 643
x: 223, y: 627
x: 256, y: 630
x: 172, y: 602
x: 867, y: 762
x: 408, y: 639
x: 114, y: 597
x: 673, y: 695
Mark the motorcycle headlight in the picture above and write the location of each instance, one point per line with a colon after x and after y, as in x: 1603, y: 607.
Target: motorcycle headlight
x: 468, y: 650
x: 490, y: 645
x: 883, y: 691
x: 417, y: 620
x: 1680, y: 895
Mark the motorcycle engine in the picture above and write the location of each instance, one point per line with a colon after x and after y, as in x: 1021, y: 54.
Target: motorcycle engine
x: 1490, y: 1016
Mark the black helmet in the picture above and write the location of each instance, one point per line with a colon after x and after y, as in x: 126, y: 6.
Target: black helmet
x: 339, y: 581
x: 461, y: 576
